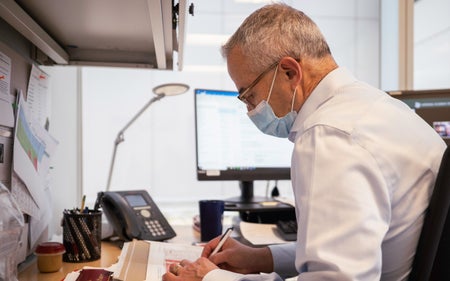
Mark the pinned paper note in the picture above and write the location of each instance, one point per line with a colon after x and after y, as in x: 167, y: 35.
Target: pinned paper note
x: 6, y: 110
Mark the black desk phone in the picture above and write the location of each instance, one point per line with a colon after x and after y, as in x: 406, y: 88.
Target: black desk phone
x: 133, y: 214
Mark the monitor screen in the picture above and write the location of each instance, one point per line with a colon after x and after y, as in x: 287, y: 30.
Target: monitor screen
x: 230, y: 147
x: 432, y: 105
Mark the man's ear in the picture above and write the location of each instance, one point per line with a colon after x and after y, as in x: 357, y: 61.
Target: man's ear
x: 292, y: 69
x: 290, y: 74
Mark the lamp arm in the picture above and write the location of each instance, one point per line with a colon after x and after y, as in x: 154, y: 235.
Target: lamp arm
x: 120, y: 135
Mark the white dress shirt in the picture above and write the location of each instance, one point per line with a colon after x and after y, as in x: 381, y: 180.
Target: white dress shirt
x: 363, y: 168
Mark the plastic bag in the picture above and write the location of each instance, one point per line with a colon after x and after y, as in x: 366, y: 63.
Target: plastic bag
x: 11, y: 227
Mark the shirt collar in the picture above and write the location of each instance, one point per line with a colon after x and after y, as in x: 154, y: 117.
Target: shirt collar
x: 325, y: 90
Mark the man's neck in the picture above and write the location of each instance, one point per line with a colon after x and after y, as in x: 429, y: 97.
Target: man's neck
x: 314, y: 70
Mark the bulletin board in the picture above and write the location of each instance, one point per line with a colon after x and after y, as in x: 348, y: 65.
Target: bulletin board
x: 20, y: 51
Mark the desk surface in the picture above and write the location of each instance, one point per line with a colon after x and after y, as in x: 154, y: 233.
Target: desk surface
x: 110, y: 253
x: 109, y: 256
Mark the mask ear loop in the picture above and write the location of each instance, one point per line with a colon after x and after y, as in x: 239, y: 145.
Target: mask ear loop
x: 293, y: 99
x: 273, y: 82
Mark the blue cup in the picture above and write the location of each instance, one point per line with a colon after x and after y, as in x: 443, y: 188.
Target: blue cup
x: 211, y: 215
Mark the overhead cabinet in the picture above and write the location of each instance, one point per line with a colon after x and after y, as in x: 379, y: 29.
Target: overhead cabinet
x: 135, y: 33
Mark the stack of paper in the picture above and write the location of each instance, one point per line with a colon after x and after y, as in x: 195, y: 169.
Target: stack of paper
x: 260, y: 234
x: 145, y: 260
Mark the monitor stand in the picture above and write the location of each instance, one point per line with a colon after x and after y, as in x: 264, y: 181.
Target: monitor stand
x: 258, y: 208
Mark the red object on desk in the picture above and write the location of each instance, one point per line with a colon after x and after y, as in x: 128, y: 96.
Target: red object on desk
x: 95, y: 274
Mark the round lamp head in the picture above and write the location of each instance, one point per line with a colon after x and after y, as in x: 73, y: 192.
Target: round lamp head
x: 171, y: 89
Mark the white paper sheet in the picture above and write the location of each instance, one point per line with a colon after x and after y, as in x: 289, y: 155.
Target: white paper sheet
x: 23, y: 197
x: 260, y: 234
x: 6, y: 110
x: 37, y: 96
x: 33, y: 147
x: 162, y: 255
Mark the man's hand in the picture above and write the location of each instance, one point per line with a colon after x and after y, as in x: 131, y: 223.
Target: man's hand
x: 239, y: 258
x: 189, y: 271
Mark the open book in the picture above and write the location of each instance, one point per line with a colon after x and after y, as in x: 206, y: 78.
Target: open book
x: 149, y: 260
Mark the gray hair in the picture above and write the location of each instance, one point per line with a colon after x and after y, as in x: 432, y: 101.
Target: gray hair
x: 275, y: 31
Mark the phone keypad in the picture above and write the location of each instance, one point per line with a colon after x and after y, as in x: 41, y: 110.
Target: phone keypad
x: 155, y: 228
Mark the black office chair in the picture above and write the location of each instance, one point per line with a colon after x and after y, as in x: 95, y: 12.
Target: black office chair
x: 432, y: 259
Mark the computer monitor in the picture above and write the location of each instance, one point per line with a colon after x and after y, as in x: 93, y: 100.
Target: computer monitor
x: 230, y: 148
x: 432, y: 105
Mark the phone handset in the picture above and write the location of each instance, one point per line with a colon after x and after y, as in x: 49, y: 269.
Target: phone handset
x: 121, y: 216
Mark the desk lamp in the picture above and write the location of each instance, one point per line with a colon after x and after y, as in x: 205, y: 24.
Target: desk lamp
x: 160, y: 91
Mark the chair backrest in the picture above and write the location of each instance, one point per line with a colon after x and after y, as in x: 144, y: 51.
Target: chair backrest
x: 432, y: 259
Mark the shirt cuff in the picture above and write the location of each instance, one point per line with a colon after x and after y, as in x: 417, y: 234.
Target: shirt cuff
x: 222, y: 275
x: 284, y: 259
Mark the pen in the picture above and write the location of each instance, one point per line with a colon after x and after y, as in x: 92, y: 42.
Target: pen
x: 222, y: 241
x: 83, y: 201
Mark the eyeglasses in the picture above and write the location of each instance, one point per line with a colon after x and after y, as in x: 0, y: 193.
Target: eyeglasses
x: 243, y: 92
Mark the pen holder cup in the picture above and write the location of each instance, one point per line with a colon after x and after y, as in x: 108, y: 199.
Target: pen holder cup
x: 82, y: 235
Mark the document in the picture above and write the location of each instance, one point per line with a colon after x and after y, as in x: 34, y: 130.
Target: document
x: 33, y: 148
x: 32, y: 152
x: 23, y: 197
x: 260, y: 234
x: 6, y: 110
x: 149, y: 260
x: 38, y: 101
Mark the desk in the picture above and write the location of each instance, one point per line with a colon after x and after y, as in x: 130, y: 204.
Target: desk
x: 110, y: 253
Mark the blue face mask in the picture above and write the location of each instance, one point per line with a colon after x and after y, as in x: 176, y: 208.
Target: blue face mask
x: 267, y: 122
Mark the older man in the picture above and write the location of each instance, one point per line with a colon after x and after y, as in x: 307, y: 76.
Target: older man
x: 363, y: 165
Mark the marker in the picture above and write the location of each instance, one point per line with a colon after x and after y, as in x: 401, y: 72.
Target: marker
x: 222, y: 241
